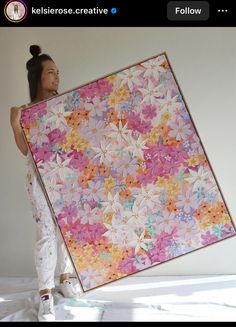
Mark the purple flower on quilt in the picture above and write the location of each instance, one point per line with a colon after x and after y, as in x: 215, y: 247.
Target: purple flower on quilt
x: 127, y: 166
x: 95, y: 191
x: 90, y: 277
x: 142, y: 262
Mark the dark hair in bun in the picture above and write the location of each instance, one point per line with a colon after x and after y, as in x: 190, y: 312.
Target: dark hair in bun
x: 35, y: 50
x: 35, y: 68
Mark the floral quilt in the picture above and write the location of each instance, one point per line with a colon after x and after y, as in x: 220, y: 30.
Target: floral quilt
x: 125, y: 173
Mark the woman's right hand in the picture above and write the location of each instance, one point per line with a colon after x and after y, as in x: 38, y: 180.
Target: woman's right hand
x: 15, y: 116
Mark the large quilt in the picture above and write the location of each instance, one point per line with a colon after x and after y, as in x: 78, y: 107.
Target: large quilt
x: 125, y: 173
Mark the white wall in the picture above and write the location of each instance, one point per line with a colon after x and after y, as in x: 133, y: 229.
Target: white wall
x: 204, y: 61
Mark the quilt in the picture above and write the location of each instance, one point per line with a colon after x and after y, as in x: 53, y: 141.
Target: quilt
x: 125, y: 173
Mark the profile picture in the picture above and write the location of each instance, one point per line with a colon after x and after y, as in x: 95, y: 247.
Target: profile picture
x: 15, y: 11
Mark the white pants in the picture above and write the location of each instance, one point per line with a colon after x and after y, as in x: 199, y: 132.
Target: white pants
x: 50, y: 249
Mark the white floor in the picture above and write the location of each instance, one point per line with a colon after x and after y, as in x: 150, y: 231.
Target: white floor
x: 171, y: 298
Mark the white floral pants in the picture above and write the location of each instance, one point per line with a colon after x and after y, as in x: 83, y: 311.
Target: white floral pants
x: 50, y: 249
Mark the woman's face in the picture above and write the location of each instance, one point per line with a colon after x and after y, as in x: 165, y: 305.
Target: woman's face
x: 50, y: 76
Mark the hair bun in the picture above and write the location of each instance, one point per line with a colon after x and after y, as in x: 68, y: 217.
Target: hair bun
x: 35, y: 50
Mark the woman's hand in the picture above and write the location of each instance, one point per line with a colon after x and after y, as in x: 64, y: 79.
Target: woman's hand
x: 15, y: 116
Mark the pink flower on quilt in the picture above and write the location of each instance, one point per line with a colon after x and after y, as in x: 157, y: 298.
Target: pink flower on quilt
x: 56, y: 136
x: 157, y: 255
x: 40, y: 109
x: 149, y: 111
x: 134, y: 120
x: 208, y: 238
x: 85, y: 233
x: 163, y: 160
x: 27, y: 117
x: 137, y: 124
x: 127, y: 266
x: 104, y: 86
x: 146, y: 178
x: 163, y: 240
x: 44, y: 153
x: 96, y: 231
x: 144, y: 127
x: 78, y: 160
x: 68, y: 213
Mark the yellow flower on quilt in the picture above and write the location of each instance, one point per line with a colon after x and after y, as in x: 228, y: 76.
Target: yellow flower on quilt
x: 109, y: 183
x: 193, y: 161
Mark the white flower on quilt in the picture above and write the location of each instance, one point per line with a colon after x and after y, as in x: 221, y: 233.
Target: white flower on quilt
x: 137, y: 216
x: 153, y: 67
x: 88, y: 215
x: 187, y: 200
x: 114, y: 230
x: 166, y: 223
x: 198, y: 178
x: 180, y: 130
x: 130, y: 77
x: 71, y: 190
x: 38, y: 135
x: 56, y: 116
x: 96, y: 108
x: 104, y: 152
x: 187, y: 230
x: 120, y: 133
x: 151, y: 93
x: 147, y: 197
x: 57, y: 168
x: 140, y: 242
x: 136, y: 147
x: 113, y: 204
x: 93, y: 131
x: 126, y: 166
x: 53, y: 189
x: 95, y: 191
x: 170, y: 103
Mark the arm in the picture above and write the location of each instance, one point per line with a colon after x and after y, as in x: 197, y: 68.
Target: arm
x: 15, y: 124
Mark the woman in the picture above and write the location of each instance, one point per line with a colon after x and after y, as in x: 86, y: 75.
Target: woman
x: 16, y: 12
x: 43, y: 78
